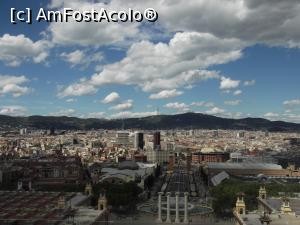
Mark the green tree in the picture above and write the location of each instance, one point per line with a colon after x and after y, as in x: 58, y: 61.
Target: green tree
x: 120, y: 196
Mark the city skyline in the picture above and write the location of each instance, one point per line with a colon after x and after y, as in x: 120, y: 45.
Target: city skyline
x: 229, y: 59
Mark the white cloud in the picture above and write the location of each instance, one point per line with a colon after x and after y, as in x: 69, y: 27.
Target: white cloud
x: 166, y: 94
x: 14, y: 50
x: 292, y: 103
x: 123, y: 106
x: 271, y: 115
x: 234, y: 115
x: 128, y: 114
x: 291, y: 117
x: 93, y: 33
x: 271, y: 22
x: 189, y: 87
x: 74, y: 58
x: 237, y: 92
x: 288, y: 111
x: 178, y: 106
x: 13, y: 85
x: 228, y: 83
x: 96, y: 115
x: 249, y: 82
x: 203, y: 104
x: 227, y: 91
x: 215, y: 111
x: 233, y: 102
x: 112, y: 97
x: 79, y: 57
x: 287, y: 116
x: 77, y: 89
x: 13, y: 110
x: 63, y: 112
x: 181, y: 62
x: 71, y: 100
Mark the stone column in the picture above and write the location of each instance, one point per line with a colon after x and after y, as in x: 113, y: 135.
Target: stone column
x: 159, y: 220
x: 30, y: 185
x: 168, y: 220
x: 20, y: 185
x: 177, y: 220
x: 186, y: 219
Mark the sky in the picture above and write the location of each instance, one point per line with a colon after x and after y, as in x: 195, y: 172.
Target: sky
x: 229, y: 58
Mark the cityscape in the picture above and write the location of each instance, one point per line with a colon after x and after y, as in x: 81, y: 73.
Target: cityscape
x: 152, y: 112
x: 149, y: 176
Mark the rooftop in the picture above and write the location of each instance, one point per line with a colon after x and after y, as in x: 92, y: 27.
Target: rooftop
x: 276, y: 219
x: 243, y: 166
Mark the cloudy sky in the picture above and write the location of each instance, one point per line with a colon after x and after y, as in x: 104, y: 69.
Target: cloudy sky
x: 230, y: 58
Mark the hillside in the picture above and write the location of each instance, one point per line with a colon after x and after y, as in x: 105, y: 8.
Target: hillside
x: 179, y: 121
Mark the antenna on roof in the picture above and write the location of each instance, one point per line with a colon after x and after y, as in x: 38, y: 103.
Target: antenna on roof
x: 123, y: 124
x: 157, y: 111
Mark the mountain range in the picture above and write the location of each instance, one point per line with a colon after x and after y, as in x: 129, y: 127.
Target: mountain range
x: 178, y: 121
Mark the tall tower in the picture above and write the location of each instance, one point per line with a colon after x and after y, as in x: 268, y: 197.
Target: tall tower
x: 138, y: 140
x: 88, y: 189
x: 156, y: 140
x: 123, y: 124
x: 102, y: 202
x: 171, y: 163
x: 157, y: 111
x: 240, y: 205
x: 262, y: 192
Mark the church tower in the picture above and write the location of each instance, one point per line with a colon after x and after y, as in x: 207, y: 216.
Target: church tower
x: 88, y: 189
x: 262, y: 193
x: 102, y: 202
x: 240, y: 205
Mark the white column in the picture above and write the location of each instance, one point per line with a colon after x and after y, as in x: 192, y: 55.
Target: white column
x: 20, y: 185
x: 168, y: 220
x: 159, y: 220
x: 177, y: 220
x: 30, y: 186
x: 186, y: 219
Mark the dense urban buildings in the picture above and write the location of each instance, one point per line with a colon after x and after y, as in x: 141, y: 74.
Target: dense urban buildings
x: 169, y: 175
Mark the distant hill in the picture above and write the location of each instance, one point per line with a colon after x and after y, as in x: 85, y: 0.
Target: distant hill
x: 178, y: 121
